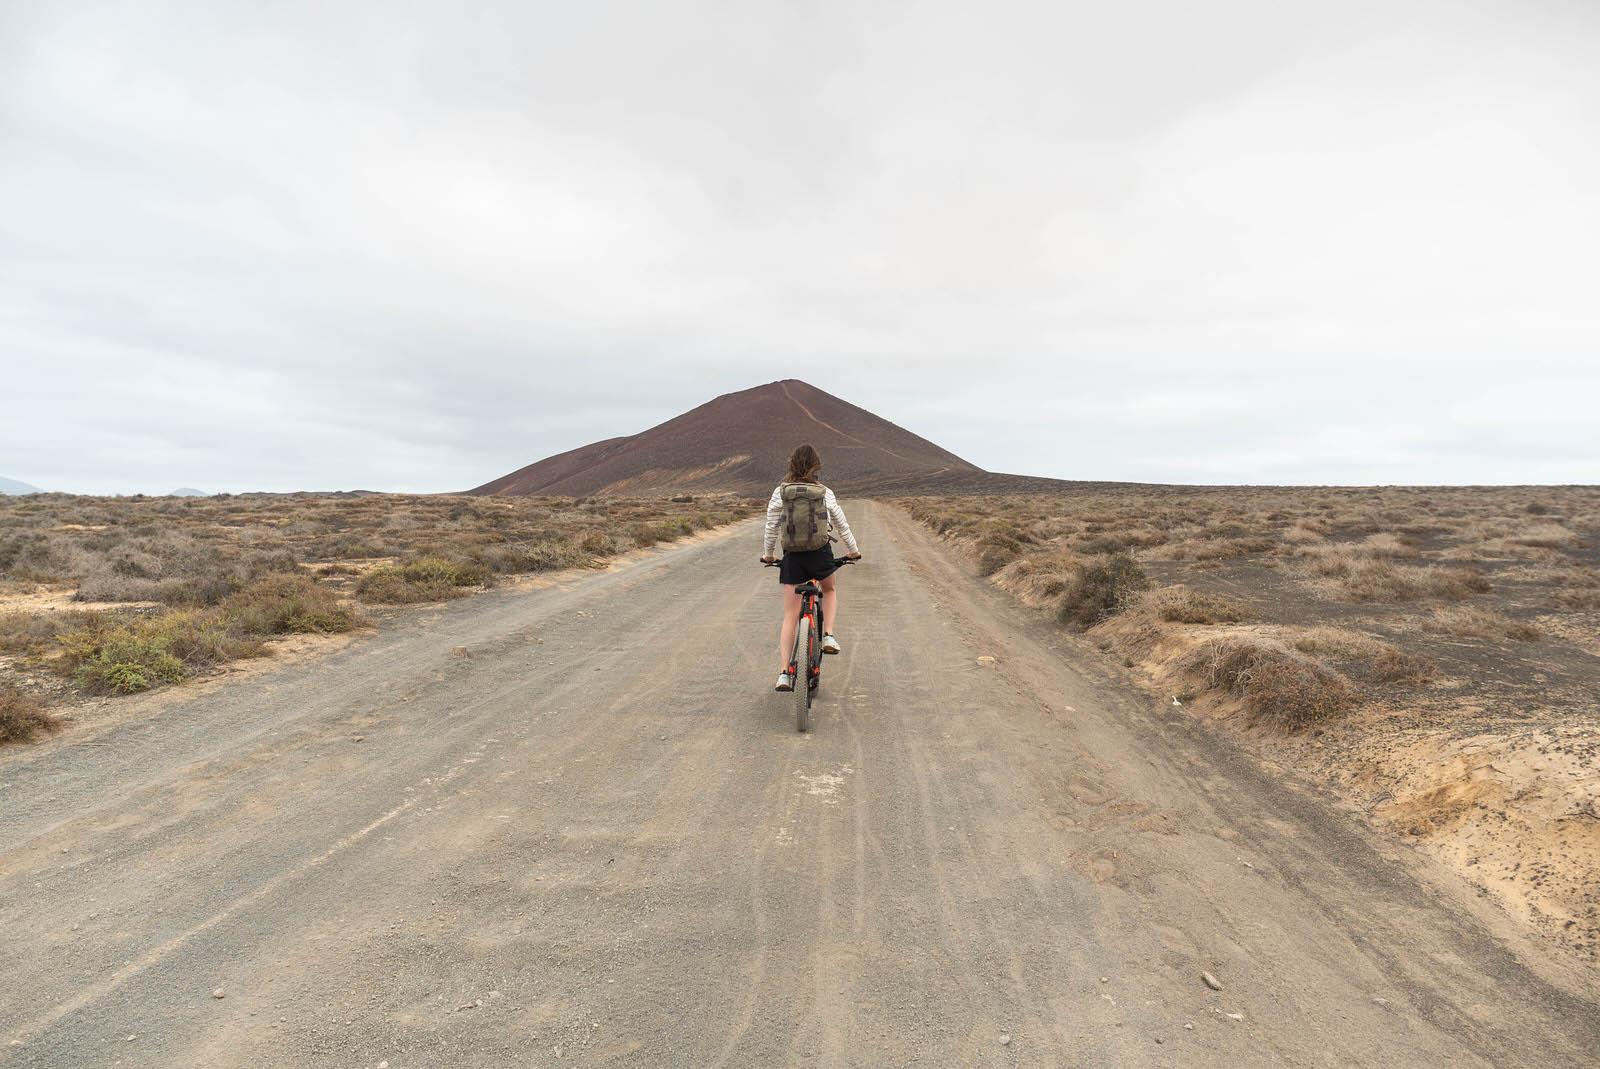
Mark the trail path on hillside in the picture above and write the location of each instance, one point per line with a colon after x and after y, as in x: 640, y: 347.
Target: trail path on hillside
x: 598, y: 840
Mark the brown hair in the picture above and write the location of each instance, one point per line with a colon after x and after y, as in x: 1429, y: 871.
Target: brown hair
x: 804, y: 463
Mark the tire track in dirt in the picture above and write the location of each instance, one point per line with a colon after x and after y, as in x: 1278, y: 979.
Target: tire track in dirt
x: 599, y: 838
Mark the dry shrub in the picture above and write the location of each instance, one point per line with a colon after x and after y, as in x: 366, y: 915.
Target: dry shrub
x: 287, y: 604
x: 1337, y: 642
x: 1391, y: 546
x: 1233, y: 547
x: 1097, y: 591
x: 1579, y: 600
x: 121, y: 658
x: 645, y: 535
x: 1184, y: 606
x: 1275, y: 682
x: 22, y: 716
x: 597, y: 543
x: 1544, y: 536
x: 31, y: 633
x: 1394, y: 666
x: 1372, y: 579
x: 1100, y: 544
x: 995, y: 557
x: 427, y: 579
x: 1302, y: 532
x: 1478, y: 622
x: 107, y: 655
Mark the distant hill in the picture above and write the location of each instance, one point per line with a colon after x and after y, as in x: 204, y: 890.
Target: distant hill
x: 740, y: 442
x: 188, y: 491
x: 12, y: 486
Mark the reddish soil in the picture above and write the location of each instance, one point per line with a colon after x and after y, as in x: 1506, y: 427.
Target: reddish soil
x: 739, y: 442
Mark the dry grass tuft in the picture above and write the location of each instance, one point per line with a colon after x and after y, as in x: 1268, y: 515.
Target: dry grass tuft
x: 1181, y: 605
x: 1351, y: 575
x: 22, y: 717
x: 1395, y: 666
x: 1477, y: 622
x: 427, y: 579
x: 1336, y: 642
x: 1275, y: 682
x: 1100, y: 590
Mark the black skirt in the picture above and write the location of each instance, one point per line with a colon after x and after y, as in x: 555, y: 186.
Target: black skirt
x: 799, y: 565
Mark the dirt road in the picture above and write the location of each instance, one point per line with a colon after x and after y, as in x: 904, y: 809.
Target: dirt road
x: 598, y: 840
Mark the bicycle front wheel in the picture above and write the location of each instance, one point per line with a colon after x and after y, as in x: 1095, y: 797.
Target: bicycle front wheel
x: 805, y: 651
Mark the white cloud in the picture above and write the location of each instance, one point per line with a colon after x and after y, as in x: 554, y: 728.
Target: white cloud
x: 324, y: 245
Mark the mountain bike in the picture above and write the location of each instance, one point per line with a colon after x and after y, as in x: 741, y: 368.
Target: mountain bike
x: 807, y: 646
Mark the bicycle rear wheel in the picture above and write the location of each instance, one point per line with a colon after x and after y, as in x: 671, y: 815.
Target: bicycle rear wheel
x: 805, y: 649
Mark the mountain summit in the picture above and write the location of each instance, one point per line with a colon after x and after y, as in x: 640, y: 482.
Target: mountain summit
x: 740, y: 442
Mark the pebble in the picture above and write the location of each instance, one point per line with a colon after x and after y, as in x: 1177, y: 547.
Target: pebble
x: 1379, y: 1001
x: 219, y: 993
x: 1190, y: 1026
x: 1235, y: 1016
x: 460, y: 652
x: 1005, y: 1041
x: 1105, y: 979
x: 1211, y: 981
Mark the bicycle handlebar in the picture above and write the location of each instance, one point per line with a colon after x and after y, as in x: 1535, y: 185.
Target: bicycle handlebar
x: 841, y: 561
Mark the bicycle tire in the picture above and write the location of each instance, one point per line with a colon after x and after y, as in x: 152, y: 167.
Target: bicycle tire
x: 802, y: 674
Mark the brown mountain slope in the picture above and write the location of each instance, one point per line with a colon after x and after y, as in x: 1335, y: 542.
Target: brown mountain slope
x: 739, y: 443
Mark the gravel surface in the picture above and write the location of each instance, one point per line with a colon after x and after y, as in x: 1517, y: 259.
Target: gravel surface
x: 595, y: 837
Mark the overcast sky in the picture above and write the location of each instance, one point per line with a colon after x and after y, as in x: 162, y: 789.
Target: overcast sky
x: 414, y: 246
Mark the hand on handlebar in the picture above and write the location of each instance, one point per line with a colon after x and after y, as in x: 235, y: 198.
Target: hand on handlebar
x: 769, y: 560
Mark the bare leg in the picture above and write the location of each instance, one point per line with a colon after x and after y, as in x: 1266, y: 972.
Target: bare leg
x: 830, y: 605
x: 791, y: 610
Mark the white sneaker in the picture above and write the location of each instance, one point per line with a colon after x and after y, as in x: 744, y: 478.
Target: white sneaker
x: 784, y: 682
x: 830, y: 644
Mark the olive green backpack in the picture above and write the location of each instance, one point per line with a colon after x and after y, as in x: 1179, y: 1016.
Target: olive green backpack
x: 805, y: 517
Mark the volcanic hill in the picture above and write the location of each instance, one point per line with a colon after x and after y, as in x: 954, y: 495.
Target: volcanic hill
x: 740, y: 442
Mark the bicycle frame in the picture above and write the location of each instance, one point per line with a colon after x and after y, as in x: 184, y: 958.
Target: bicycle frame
x: 807, y: 636
x: 810, y: 605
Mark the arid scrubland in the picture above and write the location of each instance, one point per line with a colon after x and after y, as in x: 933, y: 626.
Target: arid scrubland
x: 117, y: 595
x: 1432, y: 653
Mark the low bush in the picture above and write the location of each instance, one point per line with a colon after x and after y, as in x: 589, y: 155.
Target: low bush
x: 1097, y: 591
x: 22, y: 716
x: 31, y: 633
x: 426, y: 579
x: 1337, y: 642
x: 1275, y: 682
x: 1477, y: 622
x: 1581, y: 600
x: 1094, y: 546
x: 1184, y: 606
x: 1373, y: 579
x: 597, y: 543
x: 993, y: 558
x: 1394, y: 666
x: 288, y: 604
x: 1233, y: 547
x: 646, y: 535
x: 120, y: 658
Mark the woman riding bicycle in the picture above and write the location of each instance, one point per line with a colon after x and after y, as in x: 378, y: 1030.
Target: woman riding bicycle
x: 801, y: 564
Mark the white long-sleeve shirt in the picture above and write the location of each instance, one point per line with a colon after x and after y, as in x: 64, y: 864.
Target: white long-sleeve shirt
x: 836, y: 521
